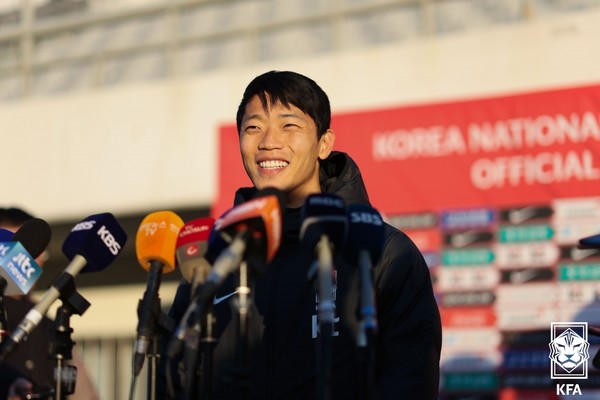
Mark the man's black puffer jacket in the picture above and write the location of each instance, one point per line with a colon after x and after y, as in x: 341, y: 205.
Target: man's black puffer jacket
x: 283, y: 322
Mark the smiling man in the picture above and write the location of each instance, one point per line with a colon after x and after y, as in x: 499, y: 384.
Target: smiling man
x: 286, y: 143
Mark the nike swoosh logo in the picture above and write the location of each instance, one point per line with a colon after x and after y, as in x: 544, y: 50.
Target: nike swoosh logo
x: 519, y: 277
x: 463, y: 239
x: 217, y: 300
x: 580, y: 254
x: 521, y: 215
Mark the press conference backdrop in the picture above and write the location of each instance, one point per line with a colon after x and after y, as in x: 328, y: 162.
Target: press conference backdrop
x: 496, y: 192
x: 432, y: 108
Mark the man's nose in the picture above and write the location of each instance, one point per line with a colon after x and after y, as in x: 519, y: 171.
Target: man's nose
x: 272, y: 139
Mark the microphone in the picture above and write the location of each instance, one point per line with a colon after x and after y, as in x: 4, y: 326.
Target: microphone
x: 324, y: 228
x: 6, y: 235
x: 192, y: 243
x: 155, y: 249
x: 324, y: 215
x: 18, y: 269
x: 363, y: 248
x: 253, y: 231
x: 91, y: 246
x: 589, y: 242
x: 18, y: 251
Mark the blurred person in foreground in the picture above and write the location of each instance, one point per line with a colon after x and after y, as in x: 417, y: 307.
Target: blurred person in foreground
x: 28, y: 370
x: 286, y: 143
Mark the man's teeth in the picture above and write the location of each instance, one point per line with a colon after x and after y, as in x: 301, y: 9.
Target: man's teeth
x: 273, y: 164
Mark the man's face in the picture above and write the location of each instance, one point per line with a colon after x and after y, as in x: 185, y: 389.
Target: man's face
x: 280, y: 149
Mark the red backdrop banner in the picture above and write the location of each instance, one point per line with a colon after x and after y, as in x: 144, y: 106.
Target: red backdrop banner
x: 500, y: 151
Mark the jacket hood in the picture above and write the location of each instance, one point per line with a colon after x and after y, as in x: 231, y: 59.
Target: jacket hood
x: 338, y: 174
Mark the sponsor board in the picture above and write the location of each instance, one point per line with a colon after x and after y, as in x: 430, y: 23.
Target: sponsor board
x: 525, y: 214
x: 579, y: 272
x: 569, y: 233
x: 527, y: 360
x: 518, y: 255
x: 525, y: 380
x: 467, y: 257
x: 468, y: 238
x: 467, y: 340
x: 461, y: 299
x: 528, y: 233
x: 467, y: 219
x: 413, y: 221
x: 527, y: 275
x: 524, y: 318
x: 578, y: 294
x: 525, y: 339
x: 468, y: 317
x: 532, y: 294
x: 471, y: 361
x: 469, y: 381
x: 425, y: 239
x: 469, y: 278
x: 583, y: 208
x: 575, y: 254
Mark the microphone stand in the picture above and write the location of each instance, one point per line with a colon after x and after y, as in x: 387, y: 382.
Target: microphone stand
x: 242, y: 303
x: 367, y: 329
x: 61, y: 344
x: 198, y: 359
x: 209, y: 342
x: 3, y: 318
x: 164, y: 326
x: 190, y: 359
x: 155, y: 324
x: 326, y: 318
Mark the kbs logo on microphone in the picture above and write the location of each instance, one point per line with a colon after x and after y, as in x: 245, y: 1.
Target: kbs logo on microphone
x: 569, y: 354
x: 109, y: 240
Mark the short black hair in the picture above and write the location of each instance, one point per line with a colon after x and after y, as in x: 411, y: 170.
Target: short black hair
x: 14, y: 216
x: 287, y: 87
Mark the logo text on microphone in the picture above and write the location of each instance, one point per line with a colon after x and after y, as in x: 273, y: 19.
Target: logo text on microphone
x: 109, y: 240
x: 84, y: 226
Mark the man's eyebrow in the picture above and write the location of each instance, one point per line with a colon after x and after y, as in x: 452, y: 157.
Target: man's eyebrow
x: 293, y: 115
x: 252, y: 116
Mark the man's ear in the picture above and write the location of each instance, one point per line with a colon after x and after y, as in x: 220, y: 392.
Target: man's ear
x: 326, y: 144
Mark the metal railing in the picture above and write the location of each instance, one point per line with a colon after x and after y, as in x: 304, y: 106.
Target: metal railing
x: 62, y: 45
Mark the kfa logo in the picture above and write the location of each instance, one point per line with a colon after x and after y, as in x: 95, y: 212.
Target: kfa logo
x: 569, y: 354
x: 569, y: 350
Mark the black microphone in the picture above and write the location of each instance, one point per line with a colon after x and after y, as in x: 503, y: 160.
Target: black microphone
x: 324, y: 229
x: 324, y: 214
x: 589, y: 242
x: 91, y: 246
x: 363, y: 248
